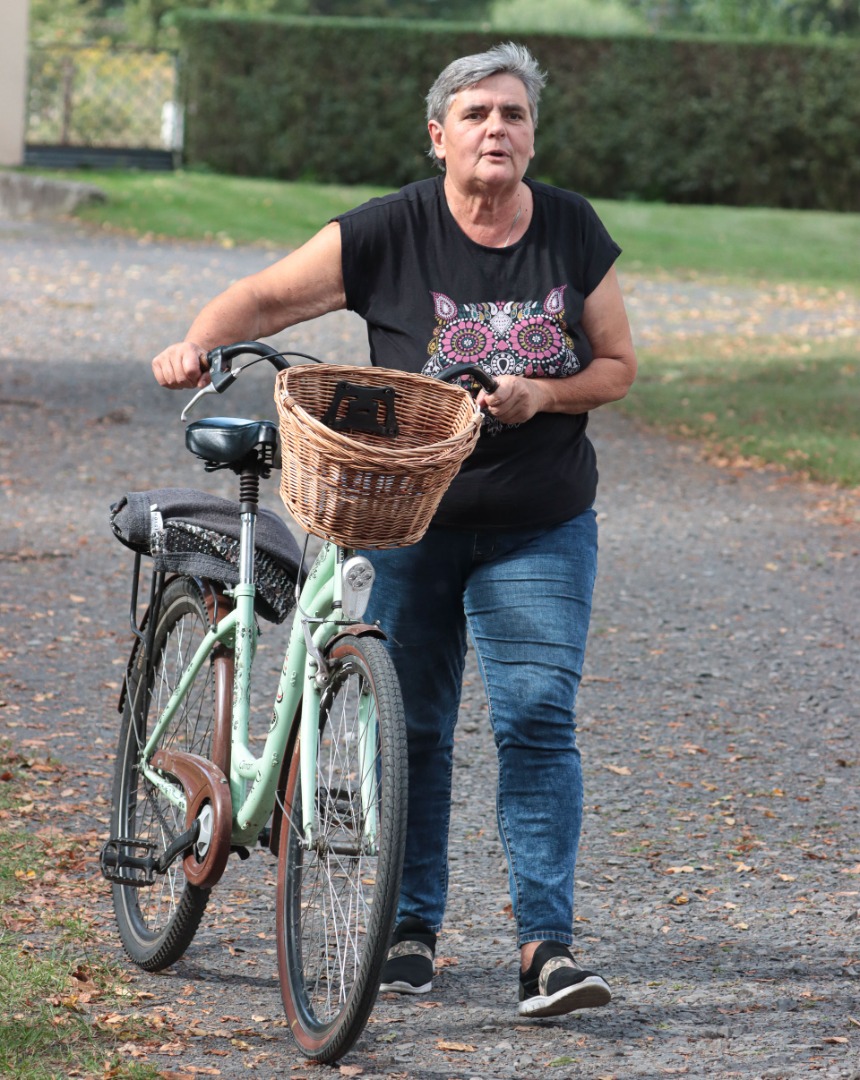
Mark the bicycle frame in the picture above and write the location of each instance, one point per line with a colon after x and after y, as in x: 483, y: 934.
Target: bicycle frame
x: 332, y: 777
x: 317, y: 619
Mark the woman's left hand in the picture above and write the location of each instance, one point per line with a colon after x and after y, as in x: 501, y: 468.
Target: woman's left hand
x: 607, y: 378
x: 516, y: 400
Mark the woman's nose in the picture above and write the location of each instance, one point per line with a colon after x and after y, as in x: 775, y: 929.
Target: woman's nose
x: 496, y: 124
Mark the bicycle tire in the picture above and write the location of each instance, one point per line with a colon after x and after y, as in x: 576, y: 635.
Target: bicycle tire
x: 336, y: 911
x: 157, y: 923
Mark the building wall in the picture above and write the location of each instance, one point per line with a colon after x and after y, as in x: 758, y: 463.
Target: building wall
x: 13, y: 80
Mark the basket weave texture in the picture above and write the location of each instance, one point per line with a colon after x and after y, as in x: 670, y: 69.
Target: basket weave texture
x: 363, y: 490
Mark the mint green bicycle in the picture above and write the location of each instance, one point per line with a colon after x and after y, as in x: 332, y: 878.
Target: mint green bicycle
x: 328, y: 793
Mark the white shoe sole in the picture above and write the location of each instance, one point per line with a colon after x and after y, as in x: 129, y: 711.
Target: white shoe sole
x: 588, y: 994
x: 401, y: 987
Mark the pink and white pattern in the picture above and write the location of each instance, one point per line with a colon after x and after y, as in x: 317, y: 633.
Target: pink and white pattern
x: 527, y: 338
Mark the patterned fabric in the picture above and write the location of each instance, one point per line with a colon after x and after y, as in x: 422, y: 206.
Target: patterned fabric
x: 410, y: 948
x: 181, y: 541
x: 552, y: 965
x: 195, y: 533
x: 528, y: 338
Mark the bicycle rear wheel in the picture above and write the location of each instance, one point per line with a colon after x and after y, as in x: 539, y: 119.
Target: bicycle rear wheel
x: 337, y: 898
x: 158, y: 922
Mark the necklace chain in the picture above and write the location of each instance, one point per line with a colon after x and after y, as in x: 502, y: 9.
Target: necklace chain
x: 513, y: 226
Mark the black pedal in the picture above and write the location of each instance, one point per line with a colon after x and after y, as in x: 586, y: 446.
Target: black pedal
x: 136, y: 871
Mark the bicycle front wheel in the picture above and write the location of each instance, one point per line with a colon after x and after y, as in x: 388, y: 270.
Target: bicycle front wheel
x: 158, y: 922
x: 338, y: 890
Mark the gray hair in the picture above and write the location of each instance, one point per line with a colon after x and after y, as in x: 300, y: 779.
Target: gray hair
x: 467, y: 71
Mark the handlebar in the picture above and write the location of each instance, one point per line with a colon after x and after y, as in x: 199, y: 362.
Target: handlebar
x: 456, y: 371
x: 219, y: 364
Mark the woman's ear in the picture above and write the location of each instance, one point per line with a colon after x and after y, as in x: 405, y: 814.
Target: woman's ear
x: 437, y: 137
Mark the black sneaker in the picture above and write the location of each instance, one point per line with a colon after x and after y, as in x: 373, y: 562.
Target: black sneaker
x: 554, y: 984
x: 409, y: 966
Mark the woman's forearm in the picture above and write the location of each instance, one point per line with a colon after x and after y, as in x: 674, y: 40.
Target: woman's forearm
x: 605, y: 379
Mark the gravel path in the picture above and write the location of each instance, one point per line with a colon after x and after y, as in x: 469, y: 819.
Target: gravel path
x: 719, y: 881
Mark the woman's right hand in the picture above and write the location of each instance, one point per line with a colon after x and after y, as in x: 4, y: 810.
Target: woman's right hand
x: 181, y: 366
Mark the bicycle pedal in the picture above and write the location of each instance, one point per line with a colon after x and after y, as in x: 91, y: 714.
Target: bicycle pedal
x: 121, y: 867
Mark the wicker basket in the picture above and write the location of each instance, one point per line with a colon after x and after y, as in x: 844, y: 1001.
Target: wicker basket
x: 364, y: 490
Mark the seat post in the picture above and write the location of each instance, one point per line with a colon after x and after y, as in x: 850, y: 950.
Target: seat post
x: 249, y: 497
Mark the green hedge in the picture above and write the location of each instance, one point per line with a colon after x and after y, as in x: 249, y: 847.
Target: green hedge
x: 736, y: 122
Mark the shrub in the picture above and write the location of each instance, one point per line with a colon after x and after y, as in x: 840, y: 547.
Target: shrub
x: 737, y: 122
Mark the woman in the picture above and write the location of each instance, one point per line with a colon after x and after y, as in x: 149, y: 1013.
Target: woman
x: 479, y: 264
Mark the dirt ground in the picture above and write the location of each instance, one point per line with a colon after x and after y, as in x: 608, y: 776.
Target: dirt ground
x: 718, y: 888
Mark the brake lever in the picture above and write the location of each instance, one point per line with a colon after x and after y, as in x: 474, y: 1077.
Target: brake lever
x: 219, y: 383
x: 210, y: 389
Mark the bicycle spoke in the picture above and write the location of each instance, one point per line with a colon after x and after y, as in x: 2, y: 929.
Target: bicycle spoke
x: 157, y: 922
x: 337, y: 896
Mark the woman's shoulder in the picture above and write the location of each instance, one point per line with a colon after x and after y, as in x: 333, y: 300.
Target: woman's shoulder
x: 418, y: 194
x: 561, y: 198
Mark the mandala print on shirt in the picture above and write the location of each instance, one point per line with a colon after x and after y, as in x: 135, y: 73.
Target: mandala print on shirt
x: 527, y: 338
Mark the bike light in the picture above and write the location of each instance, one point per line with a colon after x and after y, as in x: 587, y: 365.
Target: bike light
x: 358, y: 577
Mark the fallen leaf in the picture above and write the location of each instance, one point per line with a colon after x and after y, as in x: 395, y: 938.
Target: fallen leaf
x: 835, y: 1039
x: 620, y: 770
x: 351, y: 1070
x: 460, y: 1048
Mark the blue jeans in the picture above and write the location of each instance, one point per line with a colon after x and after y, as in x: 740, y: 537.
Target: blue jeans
x: 525, y: 597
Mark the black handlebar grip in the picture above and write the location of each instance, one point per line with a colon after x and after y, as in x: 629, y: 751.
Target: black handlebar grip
x: 474, y: 371
x: 222, y: 357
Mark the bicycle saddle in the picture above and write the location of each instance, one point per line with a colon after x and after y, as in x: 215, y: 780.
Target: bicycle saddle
x: 227, y: 439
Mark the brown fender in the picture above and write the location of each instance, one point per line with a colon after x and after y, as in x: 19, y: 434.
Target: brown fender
x: 202, y: 783
x: 361, y: 629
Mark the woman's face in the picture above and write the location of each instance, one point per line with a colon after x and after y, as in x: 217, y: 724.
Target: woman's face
x: 487, y: 139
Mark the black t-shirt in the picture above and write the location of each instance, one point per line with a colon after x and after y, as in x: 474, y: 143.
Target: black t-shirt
x: 432, y: 297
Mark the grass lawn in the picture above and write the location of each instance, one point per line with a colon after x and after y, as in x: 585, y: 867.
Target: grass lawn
x: 740, y: 244
x: 796, y: 410
x: 779, y: 402
x: 721, y: 242
x: 56, y: 993
x: 230, y: 210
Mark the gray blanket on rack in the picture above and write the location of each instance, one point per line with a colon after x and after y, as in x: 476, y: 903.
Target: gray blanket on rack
x: 191, y: 532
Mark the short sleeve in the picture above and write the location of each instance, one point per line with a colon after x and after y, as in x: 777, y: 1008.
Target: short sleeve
x: 599, y: 249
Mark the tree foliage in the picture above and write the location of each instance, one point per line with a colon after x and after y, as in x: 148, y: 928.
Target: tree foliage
x: 65, y: 22
x: 595, y: 17
x: 653, y: 117
x: 150, y: 22
x: 757, y: 18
